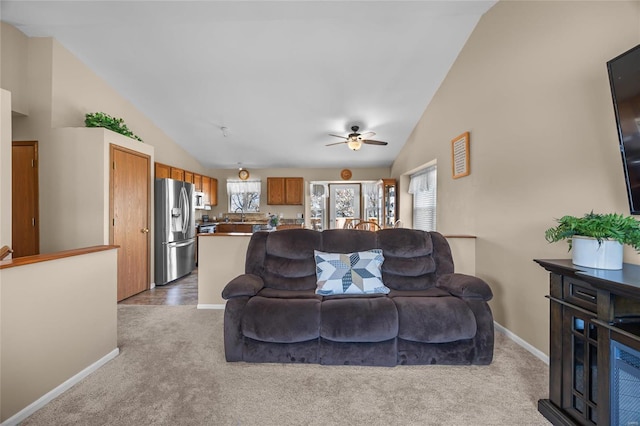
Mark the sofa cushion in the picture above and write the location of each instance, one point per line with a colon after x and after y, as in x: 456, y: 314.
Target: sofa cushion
x: 347, y: 240
x: 349, y: 273
x: 358, y: 319
x: 289, y: 294
x: 434, y: 319
x: 288, y: 262
x: 409, y: 262
x: 281, y: 320
x: 430, y: 292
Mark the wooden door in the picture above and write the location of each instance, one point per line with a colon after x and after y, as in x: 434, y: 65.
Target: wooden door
x: 25, y: 221
x: 188, y: 176
x: 130, y: 192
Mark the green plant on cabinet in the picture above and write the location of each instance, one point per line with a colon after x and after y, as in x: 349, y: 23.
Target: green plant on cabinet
x: 100, y: 119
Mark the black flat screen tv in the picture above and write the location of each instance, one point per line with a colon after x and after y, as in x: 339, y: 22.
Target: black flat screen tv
x: 624, y: 78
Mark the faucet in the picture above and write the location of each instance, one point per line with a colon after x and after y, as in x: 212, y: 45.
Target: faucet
x: 242, y: 214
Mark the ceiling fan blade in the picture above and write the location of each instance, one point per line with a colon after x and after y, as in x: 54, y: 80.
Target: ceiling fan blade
x: 341, y: 137
x: 336, y: 143
x: 372, y: 142
x: 367, y: 135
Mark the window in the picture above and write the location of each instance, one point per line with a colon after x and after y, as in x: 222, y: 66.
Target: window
x: 244, y: 196
x: 423, y: 187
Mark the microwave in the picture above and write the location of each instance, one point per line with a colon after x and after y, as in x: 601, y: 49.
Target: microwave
x: 198, y: 200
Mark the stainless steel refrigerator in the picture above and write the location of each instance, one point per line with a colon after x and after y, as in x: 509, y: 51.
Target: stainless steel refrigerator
x: 175, y: 230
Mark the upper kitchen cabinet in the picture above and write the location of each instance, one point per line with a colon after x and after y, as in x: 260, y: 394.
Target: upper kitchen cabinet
x: 177, y: 174
x: 205, y: 184
x: 210, y: 189
x: 197, y: 181
x: 285, y: 190
x: 162, y: 171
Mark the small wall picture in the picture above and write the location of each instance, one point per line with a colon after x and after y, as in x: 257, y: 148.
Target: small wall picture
x: 460, y: 155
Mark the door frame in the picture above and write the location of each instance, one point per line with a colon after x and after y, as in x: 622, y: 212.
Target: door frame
x: 112, y: 148
x: 36, y: 194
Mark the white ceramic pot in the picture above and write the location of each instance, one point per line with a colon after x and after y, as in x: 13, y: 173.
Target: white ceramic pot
x: 588, y: 252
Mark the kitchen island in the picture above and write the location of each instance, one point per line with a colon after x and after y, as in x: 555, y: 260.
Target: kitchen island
x: 221, y: 258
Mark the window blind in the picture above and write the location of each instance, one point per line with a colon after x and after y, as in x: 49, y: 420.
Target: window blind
x: 423, y: 186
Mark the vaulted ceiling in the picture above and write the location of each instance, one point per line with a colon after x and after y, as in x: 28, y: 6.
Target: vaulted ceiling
x: 278, y: 75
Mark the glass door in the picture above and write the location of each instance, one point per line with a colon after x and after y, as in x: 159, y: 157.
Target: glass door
x: 318, y: 206
x: 344, y: 204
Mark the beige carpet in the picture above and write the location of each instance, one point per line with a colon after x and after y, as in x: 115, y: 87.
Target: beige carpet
x: 171, y: 371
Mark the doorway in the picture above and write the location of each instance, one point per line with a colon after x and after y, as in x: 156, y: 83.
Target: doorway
x: 25, y: 220
x: 344, y: 204
x: 130, y: 194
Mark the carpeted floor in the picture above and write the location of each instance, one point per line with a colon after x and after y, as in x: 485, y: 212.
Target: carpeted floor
x: 171, y: 371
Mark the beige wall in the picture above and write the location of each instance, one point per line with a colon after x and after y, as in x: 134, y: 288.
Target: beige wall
x: 531, y: 86
x: 56, y: 319
x: 5, y: 168
x: 220, y: 259
x: 79, y: 162
x: 309, y: 174
x: 14, y: 48
x: 77, y: 90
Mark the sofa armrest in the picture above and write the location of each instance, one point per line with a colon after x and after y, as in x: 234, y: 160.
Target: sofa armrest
x: 466, y: 287
x: 242, y: 286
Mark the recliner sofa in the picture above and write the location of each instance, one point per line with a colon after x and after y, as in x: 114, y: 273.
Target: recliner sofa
x: 431, y: 315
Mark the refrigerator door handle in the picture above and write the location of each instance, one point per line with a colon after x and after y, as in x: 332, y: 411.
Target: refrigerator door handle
x: 185, y: 210
x: 180, y: 244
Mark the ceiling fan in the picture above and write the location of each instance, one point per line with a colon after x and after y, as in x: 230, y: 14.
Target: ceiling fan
x: 355, y: 140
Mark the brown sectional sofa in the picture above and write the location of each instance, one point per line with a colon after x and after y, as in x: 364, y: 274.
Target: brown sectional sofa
x: 431, y: 315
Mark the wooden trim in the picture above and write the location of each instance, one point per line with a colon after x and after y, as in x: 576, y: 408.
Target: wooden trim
x: 460, y: 236
x: 38, y: 258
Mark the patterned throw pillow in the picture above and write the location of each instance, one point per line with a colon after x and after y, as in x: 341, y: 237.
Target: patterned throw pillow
x: 349, y: 273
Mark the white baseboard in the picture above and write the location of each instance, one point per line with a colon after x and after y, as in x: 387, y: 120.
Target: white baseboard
x: 209, y: 306
x: 535, y: 352
x: 58, y: 390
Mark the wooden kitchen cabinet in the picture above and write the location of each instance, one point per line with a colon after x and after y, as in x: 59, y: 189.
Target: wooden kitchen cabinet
x: 177, y: 174
x: 285, y: 190
x: 162, y: 171
x: 210, y: 189
x: 245, y: 228
x: 197, y: 181
x: 205, y: 184
x: 213, y: 195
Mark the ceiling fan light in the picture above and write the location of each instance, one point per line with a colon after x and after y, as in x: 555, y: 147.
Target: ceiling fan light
x: 354, y: 144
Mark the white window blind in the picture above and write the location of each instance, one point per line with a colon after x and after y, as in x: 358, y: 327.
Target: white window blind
x: 423, y: 187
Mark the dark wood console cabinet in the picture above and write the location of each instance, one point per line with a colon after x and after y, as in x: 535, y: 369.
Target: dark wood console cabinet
x: 588, y: 309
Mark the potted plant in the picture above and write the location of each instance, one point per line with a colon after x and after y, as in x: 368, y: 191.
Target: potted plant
x: 597, y: 239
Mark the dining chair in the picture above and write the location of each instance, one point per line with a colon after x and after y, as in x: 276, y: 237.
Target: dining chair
x: 367, y: 225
